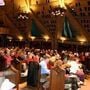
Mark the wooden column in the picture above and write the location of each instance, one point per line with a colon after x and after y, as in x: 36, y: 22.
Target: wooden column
x: 54, y: 43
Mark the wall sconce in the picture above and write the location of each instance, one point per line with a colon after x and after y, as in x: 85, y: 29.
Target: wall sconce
x: 46, y: 38
x: 82, y: 40
x: 32, y: 37
x: 20, y: 38
x: 62, y: 39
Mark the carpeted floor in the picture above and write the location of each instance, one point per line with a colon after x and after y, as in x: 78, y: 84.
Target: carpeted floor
x: 86, y: 85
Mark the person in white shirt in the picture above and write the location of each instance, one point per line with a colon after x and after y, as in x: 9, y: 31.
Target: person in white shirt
x: 74, y: 66
x: 43, y: 64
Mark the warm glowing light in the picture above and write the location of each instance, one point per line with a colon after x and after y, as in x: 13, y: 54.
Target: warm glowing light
x: 33, y: 2
x: 62, y: 4
x: 34, y: 8
x: 69, y: 2
x: 82, y: 40
x: 46, y: 38
x: 59, y: 8
x: 20, y: 38
x: 23, y: 5
x: 62, y: 39
x: 25, y: 9
x: 28, y: 5
x: 32, y: 37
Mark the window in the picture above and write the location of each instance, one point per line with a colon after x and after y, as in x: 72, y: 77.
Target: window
x: 79, y: 4
x: 84, y: 21
x: 83, y: 14
x: 87, y: 26
x: 84, y: 25
x: 80, y: 9
x: 81, y: 21
x: 76, y: 4
x: 88, y: 2
x: 88, y: 13
x: 85, y: 8
x: 88, y: 8
x: 1, y: 23
x: 88, y: 30
x: 87, y: 21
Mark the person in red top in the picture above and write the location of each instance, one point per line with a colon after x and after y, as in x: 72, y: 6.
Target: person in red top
x: 32, y: 58
x: 8, y: 57
x: 29, y: 57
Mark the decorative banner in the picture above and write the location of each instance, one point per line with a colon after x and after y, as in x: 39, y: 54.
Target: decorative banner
x: 2, y: 3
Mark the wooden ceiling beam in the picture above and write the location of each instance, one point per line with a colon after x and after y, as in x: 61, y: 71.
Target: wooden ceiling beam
x: 76, y: 25
x: 40, y: 25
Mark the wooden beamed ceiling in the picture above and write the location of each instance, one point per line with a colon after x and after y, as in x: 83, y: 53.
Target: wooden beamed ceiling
x: 10, y: 18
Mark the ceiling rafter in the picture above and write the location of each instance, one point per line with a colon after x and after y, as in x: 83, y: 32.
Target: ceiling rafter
x: 77, y: 26
x: 40, y: 25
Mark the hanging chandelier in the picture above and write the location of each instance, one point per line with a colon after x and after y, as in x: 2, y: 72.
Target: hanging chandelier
x: 23, y: 16
x: 58, y: 11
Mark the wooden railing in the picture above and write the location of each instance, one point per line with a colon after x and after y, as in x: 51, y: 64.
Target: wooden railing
x: 57, y: 79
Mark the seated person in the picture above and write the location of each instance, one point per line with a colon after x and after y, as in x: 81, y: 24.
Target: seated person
x: 5, y: 71
x: 44, y: 69
x: 43, y: 64
x: 80, y: 74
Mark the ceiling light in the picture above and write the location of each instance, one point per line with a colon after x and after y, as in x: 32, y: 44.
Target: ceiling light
x: 46, y: 38
x: 58, y: 11
x: 20, y: 38
x: 62, y: 39
x: 32, y: 37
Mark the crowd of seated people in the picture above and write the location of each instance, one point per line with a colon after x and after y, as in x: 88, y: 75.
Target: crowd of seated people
x: 70, y: 62
x: 6, y: 69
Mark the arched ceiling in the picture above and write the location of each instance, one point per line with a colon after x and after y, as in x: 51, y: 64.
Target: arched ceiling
x: 39, y: 11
